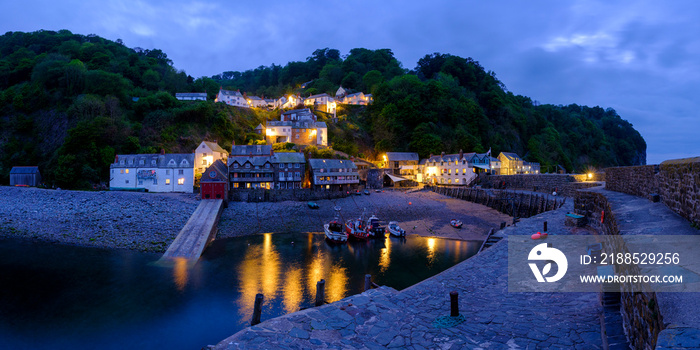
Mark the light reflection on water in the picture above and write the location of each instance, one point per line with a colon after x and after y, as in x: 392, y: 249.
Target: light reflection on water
x: 58, y: 297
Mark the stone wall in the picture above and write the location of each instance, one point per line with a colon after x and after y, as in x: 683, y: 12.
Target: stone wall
x: 641, y: 317
x: 677, y: 182
x: 679, y: 187
x: 304, y: 194
x: 522, y: 205
x: 563, y: 184
x: 638, y: 181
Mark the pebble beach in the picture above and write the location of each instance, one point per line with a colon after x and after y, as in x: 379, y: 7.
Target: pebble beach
x: 151, y: 221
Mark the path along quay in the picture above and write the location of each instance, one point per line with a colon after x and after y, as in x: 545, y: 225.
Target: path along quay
x: 494, y: 318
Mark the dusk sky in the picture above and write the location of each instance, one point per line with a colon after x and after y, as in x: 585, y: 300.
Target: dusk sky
x: 641, y: 58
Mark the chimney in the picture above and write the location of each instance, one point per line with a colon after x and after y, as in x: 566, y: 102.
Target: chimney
x: 442, y: 154
x: 162, y: 151
x: 461, y: 154
x: 431, y: 156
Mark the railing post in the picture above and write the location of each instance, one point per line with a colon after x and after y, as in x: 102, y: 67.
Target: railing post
x: 320, y: 292
x: 257, y: 309
x: 368, y: 282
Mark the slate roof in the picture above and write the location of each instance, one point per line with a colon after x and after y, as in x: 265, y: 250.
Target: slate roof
x: 230, y: 93
x: 168, y: 160
x: 318, y: 96
x: 191, y: 94
x: 331, y: 163
x: 221, y: 170
x: 288, y: 157
x: 401, y: 156
x: 251, y: 150
x: 511, y: 156
x: 254, y: 98
x: 25, y: 170
x: 215, y: 147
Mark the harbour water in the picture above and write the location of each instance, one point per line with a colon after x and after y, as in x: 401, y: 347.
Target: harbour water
x: 64, y: 297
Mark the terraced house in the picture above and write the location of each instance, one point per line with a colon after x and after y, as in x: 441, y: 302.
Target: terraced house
x: 333, y: 174
x: 251, y: 167
x: 163, y: 172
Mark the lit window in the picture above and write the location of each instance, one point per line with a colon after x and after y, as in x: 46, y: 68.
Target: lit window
x: 181, y: 181
x: 127, y: 171
x: 121, y: 171
x: 167, y: 181
x: 235, y: 185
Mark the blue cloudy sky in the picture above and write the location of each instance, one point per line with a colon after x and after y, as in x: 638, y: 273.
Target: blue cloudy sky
x: 641, y: 58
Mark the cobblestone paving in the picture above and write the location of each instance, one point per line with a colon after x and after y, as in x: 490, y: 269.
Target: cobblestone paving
x: 495, y: 319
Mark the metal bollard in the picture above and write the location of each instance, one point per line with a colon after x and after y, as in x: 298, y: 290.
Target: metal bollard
x: 545, y: 226
x: 257, y: 309
x: 454, y: 305
x: 320, y: 292
x: 368, y: 282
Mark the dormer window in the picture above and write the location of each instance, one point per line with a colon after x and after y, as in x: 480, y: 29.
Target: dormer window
x: 247, y: 166
x: 153, y: 162
x: 171, y: 162
x: 184, y: 163
x: 267, y: 166
x: 235, y: 165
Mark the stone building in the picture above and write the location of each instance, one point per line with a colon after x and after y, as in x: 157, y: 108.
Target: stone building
x: 251, y: 167
x: 403, y: 164
x: 289, y: 168
x: 333, y: 174
x: 298, y: 126
x: 512, y: 164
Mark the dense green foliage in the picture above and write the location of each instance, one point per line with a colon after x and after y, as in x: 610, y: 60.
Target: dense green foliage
x: 67, y: 104
x: 70, y: 102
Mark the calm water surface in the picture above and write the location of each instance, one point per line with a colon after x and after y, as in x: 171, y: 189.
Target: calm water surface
x: 61, y: 297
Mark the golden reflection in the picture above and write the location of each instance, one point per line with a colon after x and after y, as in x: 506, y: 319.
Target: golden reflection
x: 315, y: 271
x: 336, y: 283
x: 258, y: 273
x: 384, y: 259
x: 293, y: 291
x: 431, y: 249
x: 180, y: 273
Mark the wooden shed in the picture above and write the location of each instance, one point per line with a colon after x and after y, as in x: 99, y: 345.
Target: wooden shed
x: 25, y: 176
x: 214, y: 182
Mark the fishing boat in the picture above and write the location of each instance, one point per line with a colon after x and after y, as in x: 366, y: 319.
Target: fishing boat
x: 357, y: 228
x: 334, y: 229
x: 312, y: 205
x: 395, y: 229
x: 456, y: 223
x: 375, y: 228
x: 334, y: 232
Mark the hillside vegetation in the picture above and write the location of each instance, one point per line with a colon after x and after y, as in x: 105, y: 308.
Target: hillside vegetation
x: 70, y: 102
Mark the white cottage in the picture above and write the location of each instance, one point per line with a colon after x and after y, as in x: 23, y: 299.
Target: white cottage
x: 153, y: 172
x: 206, y: 154
x: 231, y: 98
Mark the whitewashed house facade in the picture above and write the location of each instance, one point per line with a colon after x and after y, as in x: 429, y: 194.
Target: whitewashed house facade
x: 153, y: 172
x: 206, y: 154
x: 231, y: 98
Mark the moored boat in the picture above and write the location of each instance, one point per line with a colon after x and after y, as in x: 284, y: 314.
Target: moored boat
x: 334, y: 232
x: 456, y: 223
x: 395, y: 229
x: 312, y: 205
x: 375, y: 228
x: 356, y: 229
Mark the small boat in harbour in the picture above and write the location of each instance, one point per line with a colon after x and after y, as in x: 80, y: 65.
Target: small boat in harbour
x: 375, y: 228
x: 357, y: 229
x: 456, y: 223
x: 312, y: 205
x: 334, y: 230
x: 395, y: 229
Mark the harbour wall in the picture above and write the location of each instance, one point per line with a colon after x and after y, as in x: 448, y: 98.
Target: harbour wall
x: 563, y: 184
x: 677, y: 182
